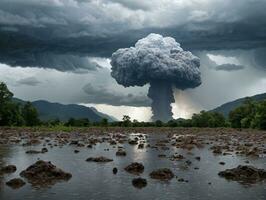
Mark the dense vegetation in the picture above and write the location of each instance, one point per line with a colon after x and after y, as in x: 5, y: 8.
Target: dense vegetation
x: 249, y: 115
x: 15, y: 114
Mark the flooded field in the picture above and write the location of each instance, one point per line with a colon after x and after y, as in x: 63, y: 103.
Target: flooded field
x: 193, y: 158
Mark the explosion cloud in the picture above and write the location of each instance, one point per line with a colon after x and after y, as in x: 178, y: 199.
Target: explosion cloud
x: 161, y: 62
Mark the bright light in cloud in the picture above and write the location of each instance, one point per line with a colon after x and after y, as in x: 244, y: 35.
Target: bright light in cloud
x: 103, y: 62
x: 184, y: 105
x: 138, y: 113
x: 220, y: 59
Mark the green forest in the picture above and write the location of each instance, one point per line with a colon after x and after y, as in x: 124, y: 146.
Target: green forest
x: 250, y: 114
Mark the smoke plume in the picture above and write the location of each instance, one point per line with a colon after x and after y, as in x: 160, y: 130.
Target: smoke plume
x: 161, y: 62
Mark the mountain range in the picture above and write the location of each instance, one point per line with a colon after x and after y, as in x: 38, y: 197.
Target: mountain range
x: 227, y: 107
x: 50, y: 111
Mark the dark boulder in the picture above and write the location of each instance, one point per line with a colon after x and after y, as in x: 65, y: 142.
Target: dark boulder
x: 121, y: 152
x: 8, y: 169
x: 162, y: 174
x: 135, y: 168
x: 44, y: 150
x: 139, y: 182
x: 44, y: 173
x: 15, y: 183
x: 99, y: 159
x: 244, y: 174
x: 33, y: 152
x: 115, y: 170
x: 133, y: 142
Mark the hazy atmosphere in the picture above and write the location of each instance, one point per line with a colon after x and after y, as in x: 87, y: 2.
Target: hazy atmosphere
x: 60, y: 50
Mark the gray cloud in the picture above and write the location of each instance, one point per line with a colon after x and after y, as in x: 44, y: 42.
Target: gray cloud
x: 63, y: 63
x: 102, y: 95
x: 156, y: 58
x: 82, y: 28
x: 30, y: 81
x: 229, y: 67
x: 161, y: 62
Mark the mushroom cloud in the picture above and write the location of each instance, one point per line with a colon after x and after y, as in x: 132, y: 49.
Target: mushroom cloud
x: 161, y: 62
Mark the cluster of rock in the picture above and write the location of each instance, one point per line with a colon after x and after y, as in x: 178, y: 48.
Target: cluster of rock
x: 44, y: 173
x: 162, y: 174
x: 135, y: 168
x: 244, y: 174
x: 40, y: 173
x: 221, y: 143
x: 100, y: 159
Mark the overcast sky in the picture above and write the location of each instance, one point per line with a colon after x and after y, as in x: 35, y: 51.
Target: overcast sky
x: 59, y: 50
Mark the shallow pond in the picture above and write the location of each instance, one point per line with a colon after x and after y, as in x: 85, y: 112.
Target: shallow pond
x: 96, y: 180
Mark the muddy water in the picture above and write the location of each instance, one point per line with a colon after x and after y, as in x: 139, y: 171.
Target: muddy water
x: 96, y: 180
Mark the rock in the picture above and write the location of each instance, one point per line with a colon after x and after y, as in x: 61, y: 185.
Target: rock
x: 8, y: 169
x: 139, y: 182
x: 188, y: 162
x: 33, y: 152
x: 222, y: 163
x: 244, y: 174
x: 113, y: 142
x: 32, y: 142
x: 226, y: 154
x: 197, y: 158
x: 115, y: 170
x: 74, y: 142
x: 165, y: 148
x: 76, y: 151
x: 99, y: 159
x: 162, y: 174
x: 44, y: 150
x: 121, y: 152
x: 135, y: 168
x: 44, y: 173
x: 141, y: 146
x: 176, y: 157
x: 15, y: 183
x: 216, y: 149
x: 133, y: 142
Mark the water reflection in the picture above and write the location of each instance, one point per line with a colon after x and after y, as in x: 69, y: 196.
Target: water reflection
x: 96, y: 180
x: 5, y: 151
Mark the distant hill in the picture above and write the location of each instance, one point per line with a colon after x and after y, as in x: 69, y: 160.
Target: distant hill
x: 49, y: 111
x: 227, y: 107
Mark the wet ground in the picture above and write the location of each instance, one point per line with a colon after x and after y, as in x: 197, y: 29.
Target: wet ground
x: 194, y: 156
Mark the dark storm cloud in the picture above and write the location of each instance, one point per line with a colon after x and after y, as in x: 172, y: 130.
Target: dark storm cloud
x: 229, y: 67
x: 102, y: 95
x: 31, y: 81
x: 134, y: 4
x: 38, y: 33
x: 260, y: 58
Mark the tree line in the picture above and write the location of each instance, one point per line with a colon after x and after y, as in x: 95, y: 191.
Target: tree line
x: 249, y: 115
x: 16, y: 114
